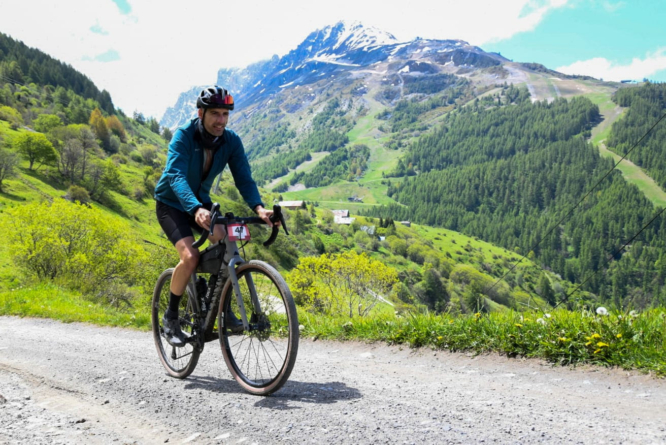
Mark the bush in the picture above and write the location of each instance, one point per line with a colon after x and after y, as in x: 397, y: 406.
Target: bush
x: 11, y: 115
x: 47, y: 122
x: 75, y: 246
x: 114, y: 144
x: 136, y: 156
x: 345, y: 284
x: 76, y: 193
x: 148, y: 154
x: 119, y: 159
x: 138, y: 194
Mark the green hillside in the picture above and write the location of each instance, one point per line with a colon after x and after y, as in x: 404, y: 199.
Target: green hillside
x: 455, y: 154
x: 22, y: 65
x: 495, y: 161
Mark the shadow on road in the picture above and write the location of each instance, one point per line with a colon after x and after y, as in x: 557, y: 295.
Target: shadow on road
x: 291, y: 394
x: 307, y: 392
x: 214, y: 384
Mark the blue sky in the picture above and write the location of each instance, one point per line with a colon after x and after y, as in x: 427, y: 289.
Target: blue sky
x: 146, y: 53
x: 584, y: 30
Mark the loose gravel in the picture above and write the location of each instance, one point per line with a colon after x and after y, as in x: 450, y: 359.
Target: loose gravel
x: 82, y: 384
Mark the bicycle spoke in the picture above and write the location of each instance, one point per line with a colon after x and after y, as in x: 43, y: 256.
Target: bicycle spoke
x: 179, y: 362
x: 261, y: 360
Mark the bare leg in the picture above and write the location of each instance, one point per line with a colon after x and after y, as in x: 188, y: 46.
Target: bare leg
x: 189, y: 258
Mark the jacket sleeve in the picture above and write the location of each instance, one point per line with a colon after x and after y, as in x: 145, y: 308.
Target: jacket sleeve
x: 180, y: 153
x: 240, y: 170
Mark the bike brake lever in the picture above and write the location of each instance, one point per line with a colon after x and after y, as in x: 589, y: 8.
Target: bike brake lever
x: 275, y: 217
x: 278, y: 210
x: 215, y: 212
x: 204, y: 236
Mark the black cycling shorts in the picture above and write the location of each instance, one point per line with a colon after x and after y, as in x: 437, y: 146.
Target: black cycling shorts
x: 177, y: 224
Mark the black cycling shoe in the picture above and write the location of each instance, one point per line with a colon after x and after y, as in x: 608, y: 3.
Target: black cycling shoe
x: 172, y: 332
x: 233, y: 323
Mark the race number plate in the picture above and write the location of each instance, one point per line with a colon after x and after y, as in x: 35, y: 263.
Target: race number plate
x: 238, y: 232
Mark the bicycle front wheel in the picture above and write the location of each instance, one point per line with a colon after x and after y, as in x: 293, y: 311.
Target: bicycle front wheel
x: 178, y: 362
x: 262, y: 358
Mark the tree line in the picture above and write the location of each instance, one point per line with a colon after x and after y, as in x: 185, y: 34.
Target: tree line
x: 22, y: 65
x: 647, y: 104
x: 509, y: 174
x: 71, y: 139
x: 327, y: 133
x: 344, y: 163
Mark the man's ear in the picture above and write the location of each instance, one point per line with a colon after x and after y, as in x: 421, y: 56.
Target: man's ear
x: 200, y: 112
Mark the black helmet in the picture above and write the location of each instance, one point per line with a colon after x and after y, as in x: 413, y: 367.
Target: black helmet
x: 215, y: 97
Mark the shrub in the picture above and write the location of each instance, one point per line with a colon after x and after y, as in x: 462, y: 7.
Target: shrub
x: 75, y: 246
x: 136, y: 156
x: 138, y: 194
x: 344, y: 284
x: 46, y: 122
x: 11, y: 115
x: 76, y: 193
x: 148, y: 154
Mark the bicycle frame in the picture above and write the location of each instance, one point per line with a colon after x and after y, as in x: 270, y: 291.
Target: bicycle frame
x: 230, y: 261
x: 227, y: 272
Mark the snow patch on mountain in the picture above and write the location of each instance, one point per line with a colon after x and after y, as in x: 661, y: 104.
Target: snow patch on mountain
x: 331, y: 59
x: 355, y: 36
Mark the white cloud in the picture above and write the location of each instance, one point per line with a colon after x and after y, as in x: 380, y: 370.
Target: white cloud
x: 166, y: 48
x: 602, y: 68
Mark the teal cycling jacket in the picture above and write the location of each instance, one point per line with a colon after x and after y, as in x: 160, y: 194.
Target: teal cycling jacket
x: 182, y: 184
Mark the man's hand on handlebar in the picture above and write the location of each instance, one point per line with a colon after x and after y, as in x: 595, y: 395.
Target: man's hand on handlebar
x: 265, y: 215
x: 202, y: 217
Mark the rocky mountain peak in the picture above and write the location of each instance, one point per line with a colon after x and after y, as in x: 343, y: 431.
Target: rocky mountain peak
x: 329, y: 52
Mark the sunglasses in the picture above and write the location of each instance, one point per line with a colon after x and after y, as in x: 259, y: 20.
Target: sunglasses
x: 221, y: 99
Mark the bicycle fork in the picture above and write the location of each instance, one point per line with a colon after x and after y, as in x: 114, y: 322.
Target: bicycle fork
x: 239, y: 297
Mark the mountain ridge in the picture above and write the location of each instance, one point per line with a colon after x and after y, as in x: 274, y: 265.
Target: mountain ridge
x: 333, y: 50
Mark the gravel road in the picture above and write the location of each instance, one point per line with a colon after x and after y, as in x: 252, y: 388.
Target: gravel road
x: 81, y: 384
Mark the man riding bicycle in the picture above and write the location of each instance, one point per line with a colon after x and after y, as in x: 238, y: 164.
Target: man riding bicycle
x: 198, y: 152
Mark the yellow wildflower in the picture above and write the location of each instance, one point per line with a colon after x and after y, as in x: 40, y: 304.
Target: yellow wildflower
x: 440, y: 338
x: 597, y: 351
x: 619, y: 335
x: 519, y: 325
x: 602, y: 344
x: 588, y: 343
x: 562, y: 339
x: 596, y: 336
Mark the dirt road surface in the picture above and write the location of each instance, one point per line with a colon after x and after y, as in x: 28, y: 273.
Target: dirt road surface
x: 81, y: 384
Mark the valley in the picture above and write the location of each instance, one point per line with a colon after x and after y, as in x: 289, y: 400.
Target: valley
x: 467, y: 146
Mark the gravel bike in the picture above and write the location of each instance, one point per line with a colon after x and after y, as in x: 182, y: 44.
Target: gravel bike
x: 246, y: 305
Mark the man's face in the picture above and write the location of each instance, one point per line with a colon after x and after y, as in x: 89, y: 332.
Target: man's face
x: 214, y: 120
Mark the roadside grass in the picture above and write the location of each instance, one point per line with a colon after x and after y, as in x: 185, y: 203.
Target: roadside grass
x: 636, y: 341
x: 50, y: 301
x: 629, y: 341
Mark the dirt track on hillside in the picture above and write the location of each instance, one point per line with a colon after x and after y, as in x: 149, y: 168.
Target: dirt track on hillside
x: 75, y: 383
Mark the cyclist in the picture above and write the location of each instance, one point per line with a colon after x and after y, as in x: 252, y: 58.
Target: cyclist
x: 198, y: 152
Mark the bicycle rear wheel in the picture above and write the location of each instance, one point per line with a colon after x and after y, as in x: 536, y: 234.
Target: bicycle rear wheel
x: 262, y: 358
x: 178, y: 362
